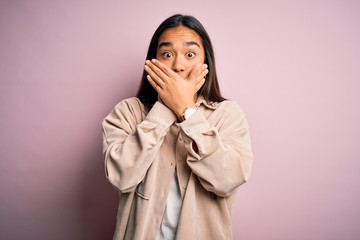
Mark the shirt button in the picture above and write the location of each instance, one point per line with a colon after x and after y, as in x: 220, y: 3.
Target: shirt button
x: 168, y: 120
x: 184, y: 186
x: 187, y: 130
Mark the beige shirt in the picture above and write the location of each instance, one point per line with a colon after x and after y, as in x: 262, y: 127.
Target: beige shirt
x: 141, y: 151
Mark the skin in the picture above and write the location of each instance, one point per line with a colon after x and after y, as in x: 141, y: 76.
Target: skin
x: 178, y: 72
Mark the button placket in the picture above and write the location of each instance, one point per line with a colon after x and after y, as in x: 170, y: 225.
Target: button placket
x: 183, y: 177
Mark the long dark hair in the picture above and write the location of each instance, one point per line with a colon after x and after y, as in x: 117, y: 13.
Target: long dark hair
x: 210, y: 90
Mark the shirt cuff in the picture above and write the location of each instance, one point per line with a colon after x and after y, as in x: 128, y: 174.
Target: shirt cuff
x: 161, y: 115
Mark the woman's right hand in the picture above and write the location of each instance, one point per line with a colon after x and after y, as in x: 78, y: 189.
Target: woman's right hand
x: 176, y: 92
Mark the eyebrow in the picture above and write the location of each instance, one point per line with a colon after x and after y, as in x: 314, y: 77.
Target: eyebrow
x: 169, y: 44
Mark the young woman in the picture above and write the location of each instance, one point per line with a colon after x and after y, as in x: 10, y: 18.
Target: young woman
x: 178, y: 151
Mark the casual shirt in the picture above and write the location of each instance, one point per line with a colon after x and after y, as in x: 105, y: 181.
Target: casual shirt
x: 210, y: 153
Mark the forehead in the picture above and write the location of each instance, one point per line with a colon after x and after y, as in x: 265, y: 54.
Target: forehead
x: 180, y: 34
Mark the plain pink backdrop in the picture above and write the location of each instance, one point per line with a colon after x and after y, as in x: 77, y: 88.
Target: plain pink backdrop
x: 292, y: 65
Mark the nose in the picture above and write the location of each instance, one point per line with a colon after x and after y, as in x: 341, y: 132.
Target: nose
x: 178, y: 64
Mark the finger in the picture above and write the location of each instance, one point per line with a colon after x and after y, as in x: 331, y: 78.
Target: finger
x: 201, y: 76
x: 198, y: 71
x: 156, y: 70
x: 154, y: 77
x: 199, y: 84
x: 153, y: 83
x: 194, y: 71
x: 200, y: 80
x: 165, y: 69
x: 204, y: 73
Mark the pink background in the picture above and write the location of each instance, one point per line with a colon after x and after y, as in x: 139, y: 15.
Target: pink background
x: 294, y: 67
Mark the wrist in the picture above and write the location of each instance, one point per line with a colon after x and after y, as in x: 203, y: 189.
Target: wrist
x: 181, y: 109
x: 186, y: 114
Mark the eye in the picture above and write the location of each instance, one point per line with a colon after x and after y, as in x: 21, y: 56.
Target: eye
x: 167, y: 55
x: 190, y: 54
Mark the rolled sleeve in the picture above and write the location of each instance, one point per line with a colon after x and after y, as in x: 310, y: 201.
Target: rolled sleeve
x: 223, y: 157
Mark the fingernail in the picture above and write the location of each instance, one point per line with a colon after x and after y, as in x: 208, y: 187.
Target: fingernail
x: 147, y: 62
x: 153, y: 60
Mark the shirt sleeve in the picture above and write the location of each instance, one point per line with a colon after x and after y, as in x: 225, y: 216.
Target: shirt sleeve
x: 219, y: 155
x: 131, y: 141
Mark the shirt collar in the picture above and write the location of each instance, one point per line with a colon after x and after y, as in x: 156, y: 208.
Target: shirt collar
x: 208, y: 104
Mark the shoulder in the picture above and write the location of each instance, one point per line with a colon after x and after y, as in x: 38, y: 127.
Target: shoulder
x: 231, y: 107
x: 132, y: 104
x: 128, y: 108
x: 233, y: 115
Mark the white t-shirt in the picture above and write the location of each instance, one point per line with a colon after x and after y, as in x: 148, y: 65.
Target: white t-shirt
x: 172, y: 212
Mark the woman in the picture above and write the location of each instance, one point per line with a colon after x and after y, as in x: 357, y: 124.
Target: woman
x: 177, y: 151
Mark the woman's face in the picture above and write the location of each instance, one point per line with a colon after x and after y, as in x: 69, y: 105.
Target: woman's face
x: 180, y: 48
